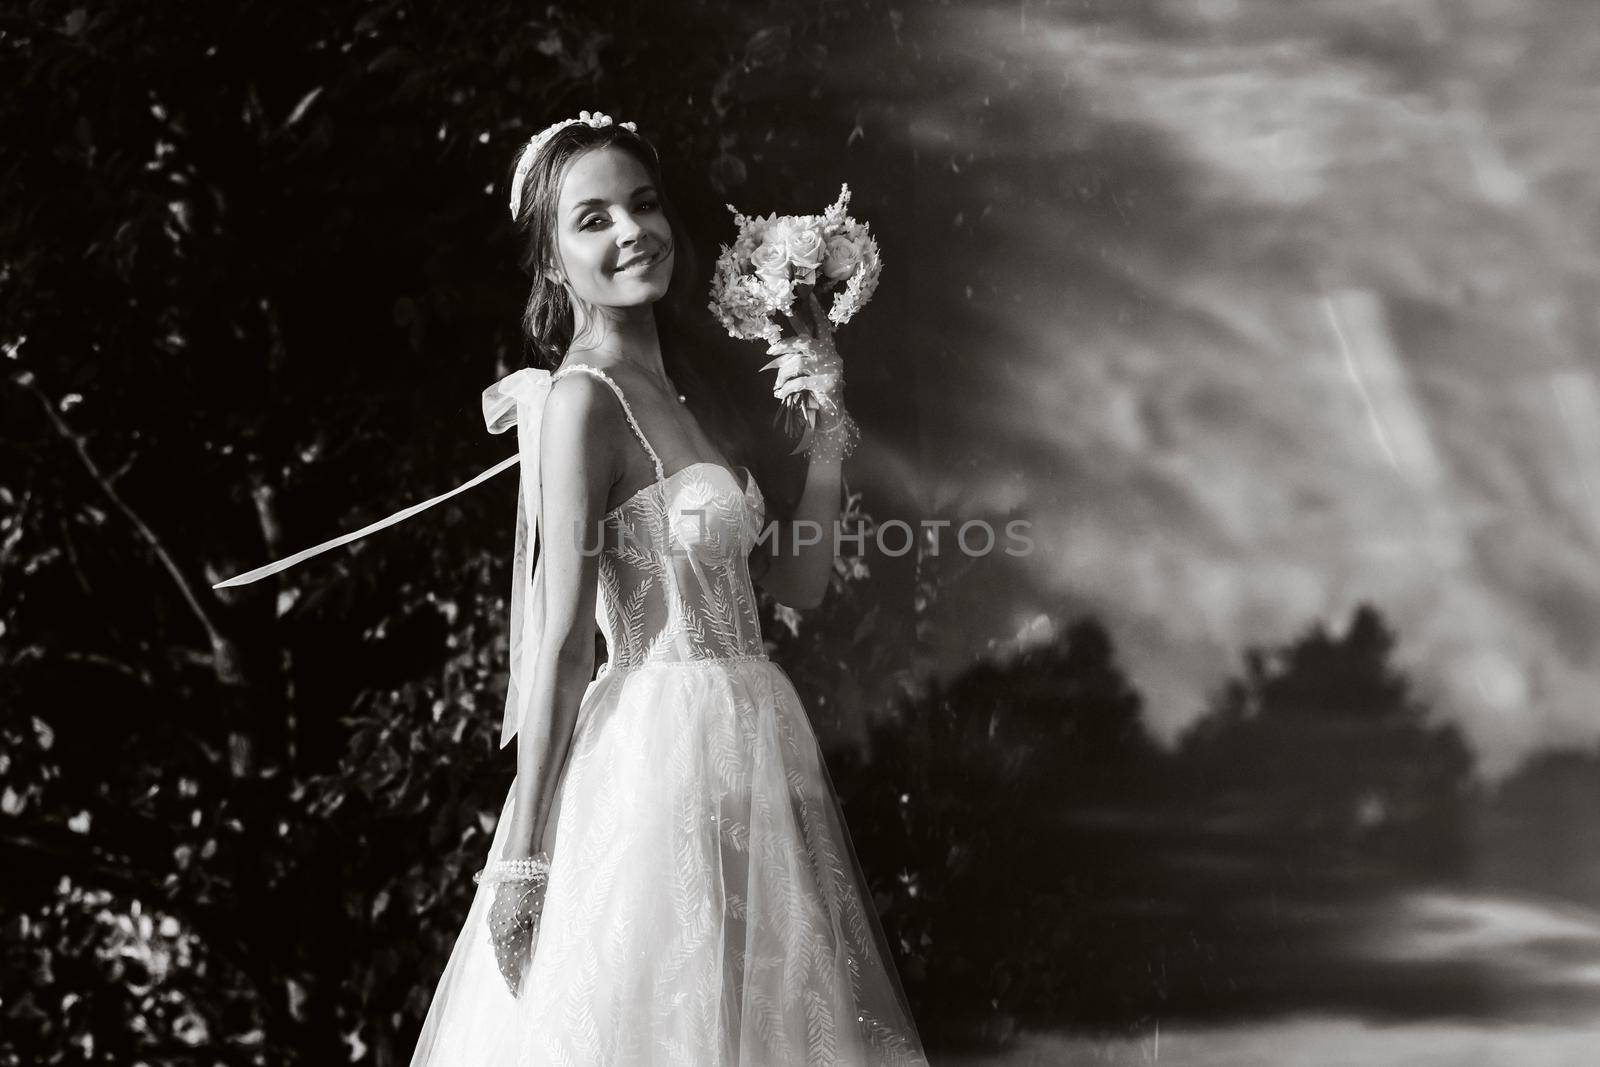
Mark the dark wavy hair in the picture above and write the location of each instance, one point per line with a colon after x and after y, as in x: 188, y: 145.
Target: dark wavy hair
x: 548, y: 321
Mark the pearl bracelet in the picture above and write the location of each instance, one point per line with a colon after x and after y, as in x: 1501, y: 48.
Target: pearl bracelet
x: 526, y: 869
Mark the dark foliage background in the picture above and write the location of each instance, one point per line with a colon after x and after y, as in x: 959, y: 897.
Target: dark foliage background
x: 254, y: 275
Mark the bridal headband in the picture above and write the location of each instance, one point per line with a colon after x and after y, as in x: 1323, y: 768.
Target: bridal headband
x: 525, y: 163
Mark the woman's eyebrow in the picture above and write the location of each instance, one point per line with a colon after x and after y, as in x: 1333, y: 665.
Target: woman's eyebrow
x: 581, y: 204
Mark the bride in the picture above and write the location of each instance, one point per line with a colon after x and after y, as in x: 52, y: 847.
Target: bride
x: 670, y: 880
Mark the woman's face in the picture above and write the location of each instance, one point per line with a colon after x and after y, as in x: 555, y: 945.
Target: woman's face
x: 612, y: 239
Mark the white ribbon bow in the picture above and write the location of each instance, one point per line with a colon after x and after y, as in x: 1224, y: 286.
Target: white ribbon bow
x: 518, y: 400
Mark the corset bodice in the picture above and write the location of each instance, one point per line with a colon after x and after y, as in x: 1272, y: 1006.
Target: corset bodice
x: 674, y: 563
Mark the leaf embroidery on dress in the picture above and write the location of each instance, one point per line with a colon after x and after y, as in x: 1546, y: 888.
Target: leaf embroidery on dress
x: 736, y: 833
x: 819, y: 1028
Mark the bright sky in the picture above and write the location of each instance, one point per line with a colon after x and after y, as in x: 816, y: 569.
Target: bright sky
x: 1276, y: 309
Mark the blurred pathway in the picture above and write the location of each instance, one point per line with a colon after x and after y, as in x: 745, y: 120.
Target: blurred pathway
x: 1536, y: 962
x: 1313, y: 1042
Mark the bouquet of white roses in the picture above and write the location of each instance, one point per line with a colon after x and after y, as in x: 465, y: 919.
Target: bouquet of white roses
x: 778, y: 263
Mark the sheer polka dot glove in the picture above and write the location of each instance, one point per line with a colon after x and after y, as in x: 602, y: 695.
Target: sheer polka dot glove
x: 810, y: 361
x: 834, y: 439
x: 514, y: 913
x: 811, y: 365
x: 810, y: 375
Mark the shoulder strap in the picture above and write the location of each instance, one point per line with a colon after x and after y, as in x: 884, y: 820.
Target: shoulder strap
x: 626, y: 410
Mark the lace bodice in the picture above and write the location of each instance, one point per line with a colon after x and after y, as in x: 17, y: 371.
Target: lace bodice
x: 674, y: 562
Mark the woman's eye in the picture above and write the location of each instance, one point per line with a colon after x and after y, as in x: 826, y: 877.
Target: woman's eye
x: 643, y: 204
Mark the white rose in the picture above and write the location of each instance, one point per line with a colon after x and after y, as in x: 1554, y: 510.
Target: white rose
x: 806, y: 248
x: 841, y: 259
x: 771, y: 257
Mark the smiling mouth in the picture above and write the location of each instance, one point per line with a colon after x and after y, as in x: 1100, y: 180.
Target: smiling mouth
x: 641, y: 264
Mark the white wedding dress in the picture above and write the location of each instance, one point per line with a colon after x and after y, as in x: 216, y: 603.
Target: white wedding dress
x: 705, y: 907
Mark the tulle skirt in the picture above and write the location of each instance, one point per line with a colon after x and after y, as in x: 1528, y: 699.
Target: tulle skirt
x: 705, y: 906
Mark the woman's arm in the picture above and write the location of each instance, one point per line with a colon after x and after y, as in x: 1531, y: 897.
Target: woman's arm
x: 795, y: 561
x: 577, y: 445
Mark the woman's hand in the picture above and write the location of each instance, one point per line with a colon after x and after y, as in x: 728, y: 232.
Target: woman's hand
x: 811, y: 361
x: 519, y: 884
x: 513, y: 920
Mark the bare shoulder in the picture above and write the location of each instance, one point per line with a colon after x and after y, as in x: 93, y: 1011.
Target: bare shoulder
x: 579, y: 461
x: 580, y: 414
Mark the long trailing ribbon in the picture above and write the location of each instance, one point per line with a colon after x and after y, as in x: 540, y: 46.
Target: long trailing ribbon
x: 343, y: 539
x: 515, y: 400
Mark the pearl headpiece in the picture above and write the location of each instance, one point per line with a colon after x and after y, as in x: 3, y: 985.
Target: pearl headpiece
x: 525, y: 163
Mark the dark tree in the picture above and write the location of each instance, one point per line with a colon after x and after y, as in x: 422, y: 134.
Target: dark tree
x: 1322, y: 747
